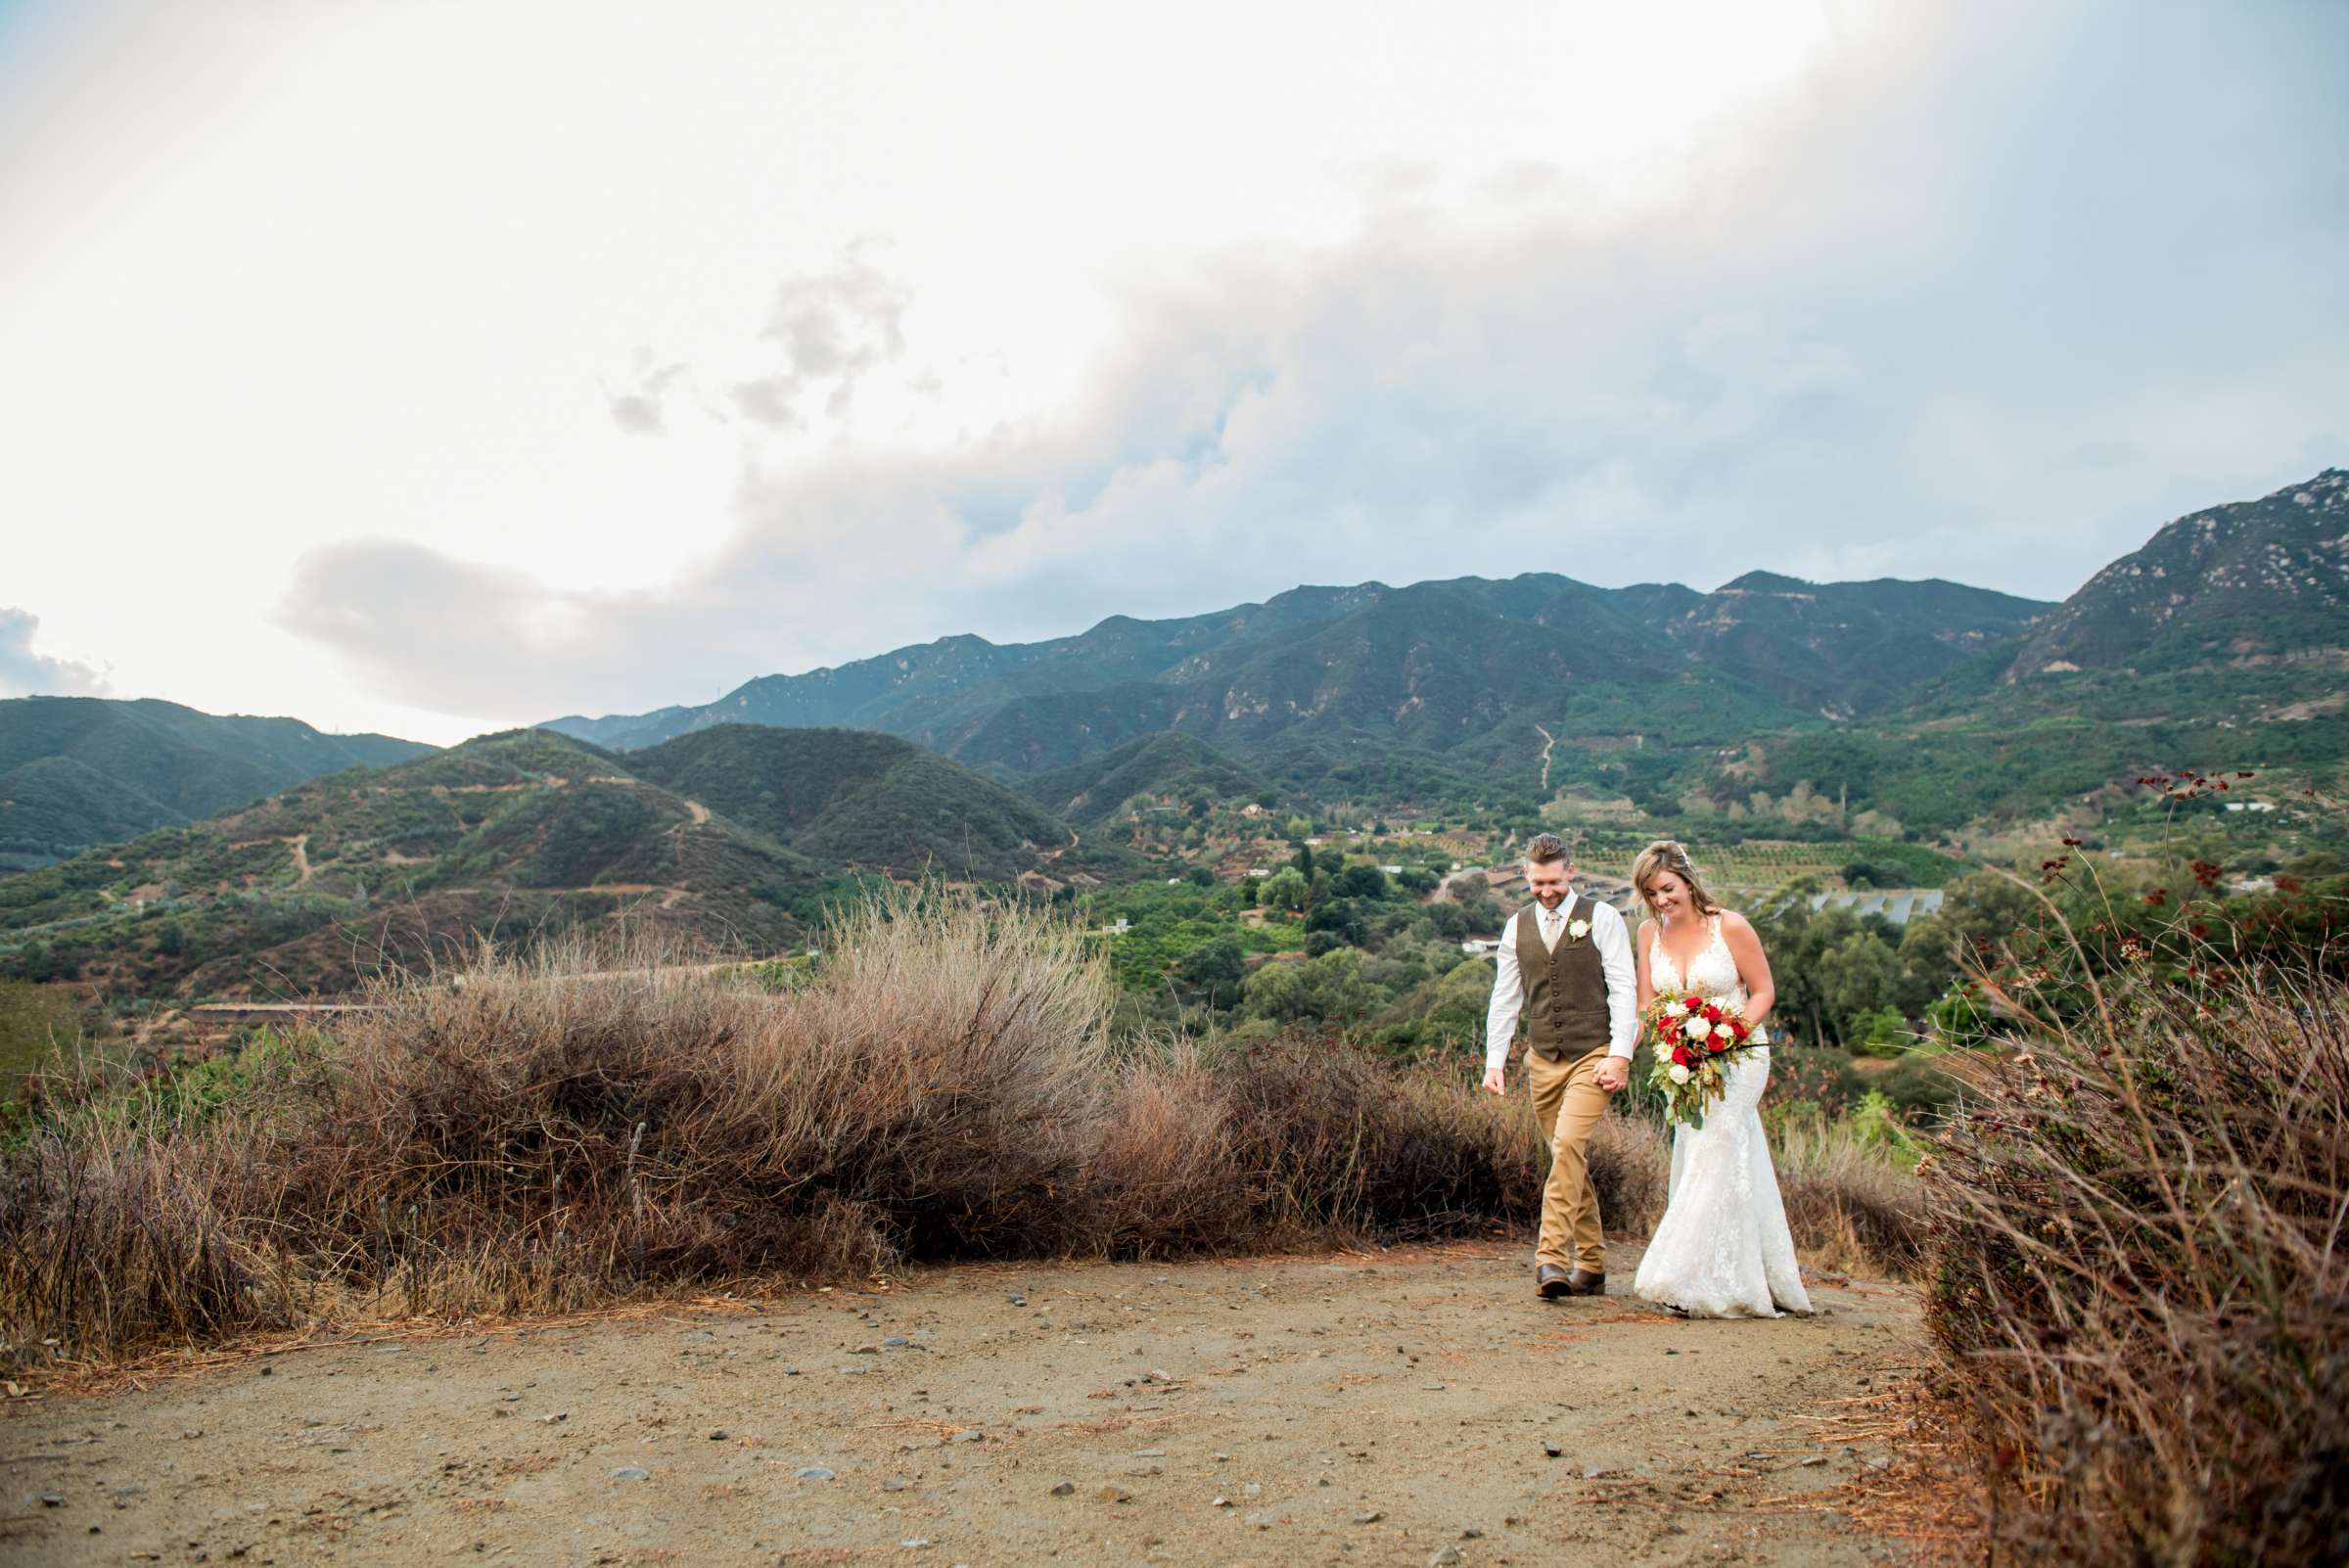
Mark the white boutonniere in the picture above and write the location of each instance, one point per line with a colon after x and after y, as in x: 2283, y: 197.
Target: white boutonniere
x: 1578, y: 929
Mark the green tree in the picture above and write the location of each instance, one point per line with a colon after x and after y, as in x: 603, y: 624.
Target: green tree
x: 1214, y: 973
x: 1879, y: 1032
x: 1329, y: 989
x: 1339, y: 918
x: 1483, y: 912
x: 1857, y: 976
x: 1455, y: 1018
x: 1284, y: 889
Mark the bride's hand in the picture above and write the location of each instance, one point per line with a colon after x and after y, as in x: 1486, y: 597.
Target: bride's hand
x: 1613, y: 1074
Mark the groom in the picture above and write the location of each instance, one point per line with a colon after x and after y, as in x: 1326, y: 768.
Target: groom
x: 1566, y: 962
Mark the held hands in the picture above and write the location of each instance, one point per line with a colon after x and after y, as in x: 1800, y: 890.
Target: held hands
x: 1612, y: 1075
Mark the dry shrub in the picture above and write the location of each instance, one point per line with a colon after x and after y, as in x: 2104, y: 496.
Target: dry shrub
x: 1166, y: 1178
x: 125, y: 1238
x: 540, y: 1133
x: 1852, y: 1207
x: 1630, y: 1169
x: 1335, y: 1140
x: 943, y: 1083
x: 2142, y: 1278
x: 1303, y: 1139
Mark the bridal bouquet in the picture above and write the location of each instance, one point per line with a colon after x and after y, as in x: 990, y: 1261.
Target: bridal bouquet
x: 1693, y: 1041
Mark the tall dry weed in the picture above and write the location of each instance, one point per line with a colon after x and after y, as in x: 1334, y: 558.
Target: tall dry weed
x: 1852, y: 1205
x: 2142, y: 1276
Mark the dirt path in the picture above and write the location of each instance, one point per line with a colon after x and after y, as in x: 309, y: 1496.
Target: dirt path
x: 1550, y: 743
x: 301, y: 859
x: 1388, y: 1408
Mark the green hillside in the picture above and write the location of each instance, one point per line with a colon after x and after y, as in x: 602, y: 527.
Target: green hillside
x: 513, y: 834
x: 1160, y: 769
x: 76, y: 771
x: 857, y: 797
x: 1845, y: 650
x: 317, y: 883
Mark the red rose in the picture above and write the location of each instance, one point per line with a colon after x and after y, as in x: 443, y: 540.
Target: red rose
x: 1712, y: 1015
x: 1717, y: 1044
x: 1681, y: 1056
x: 1692, y: 1003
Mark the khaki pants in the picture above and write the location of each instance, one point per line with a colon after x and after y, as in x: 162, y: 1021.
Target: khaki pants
x: 1567, y: 1104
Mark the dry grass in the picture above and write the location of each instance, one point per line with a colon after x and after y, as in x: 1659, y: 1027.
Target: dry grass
x: 1852, y: 1207
x: 547, y: 1134
x: 531, y: 1141
x: 2142, y: 1276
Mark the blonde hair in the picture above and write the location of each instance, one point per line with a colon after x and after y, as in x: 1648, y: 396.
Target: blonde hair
x: 1670, y: 855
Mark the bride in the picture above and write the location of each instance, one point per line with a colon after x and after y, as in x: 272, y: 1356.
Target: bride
x: 1723, y: 1249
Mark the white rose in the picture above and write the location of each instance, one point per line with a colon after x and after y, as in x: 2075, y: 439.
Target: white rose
x: 1675, y: 1009
x: 1697, y: 1029
x: 1678, y: 1074
x: 1579, y: 929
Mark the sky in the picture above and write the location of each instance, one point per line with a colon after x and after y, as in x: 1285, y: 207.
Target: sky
x: 434, y: 366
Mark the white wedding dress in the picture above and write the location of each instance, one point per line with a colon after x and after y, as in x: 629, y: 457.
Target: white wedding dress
x: 1723, y: 1249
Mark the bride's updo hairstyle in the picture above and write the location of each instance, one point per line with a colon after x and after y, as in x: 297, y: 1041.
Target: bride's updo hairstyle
x: 1670, y: 855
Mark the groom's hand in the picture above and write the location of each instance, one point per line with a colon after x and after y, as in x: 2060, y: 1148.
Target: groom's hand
x: 1613, y: 1074
x: 1492, y: 1080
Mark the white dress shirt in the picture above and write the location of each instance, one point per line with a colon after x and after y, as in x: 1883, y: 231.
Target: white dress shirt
x: 1614, y: 945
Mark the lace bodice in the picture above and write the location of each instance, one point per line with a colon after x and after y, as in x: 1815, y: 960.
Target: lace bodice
x: 1712, y: 973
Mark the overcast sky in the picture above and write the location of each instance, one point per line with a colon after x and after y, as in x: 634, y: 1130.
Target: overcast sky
x: 436, y: 365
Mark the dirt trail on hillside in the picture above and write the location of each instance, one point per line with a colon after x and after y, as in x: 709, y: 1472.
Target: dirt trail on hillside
x: 1397, y: 1408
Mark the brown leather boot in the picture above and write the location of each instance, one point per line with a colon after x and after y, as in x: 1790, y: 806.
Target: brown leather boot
x: 1583, y: 1282
x: 1552, y: 1281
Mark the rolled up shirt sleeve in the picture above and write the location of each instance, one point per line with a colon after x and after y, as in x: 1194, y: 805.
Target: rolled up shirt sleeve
x: 1614, y: 943
x: 1509, y: 998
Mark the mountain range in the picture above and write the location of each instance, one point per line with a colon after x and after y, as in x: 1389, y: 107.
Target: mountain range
x: 1435, y: 666
x: 1929, y: 702
x: 78, y: 772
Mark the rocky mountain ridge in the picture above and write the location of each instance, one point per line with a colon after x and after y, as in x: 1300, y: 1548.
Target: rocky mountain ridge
x: 2249, y: 580
x: 1435, y: 665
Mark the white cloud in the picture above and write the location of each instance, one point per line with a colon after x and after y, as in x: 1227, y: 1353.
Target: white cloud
x: 27, y: 673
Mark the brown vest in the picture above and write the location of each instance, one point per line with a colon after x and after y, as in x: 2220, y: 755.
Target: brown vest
x: 1565, y: 988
